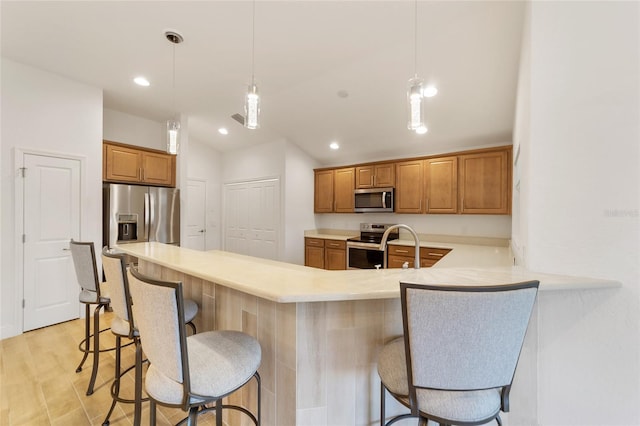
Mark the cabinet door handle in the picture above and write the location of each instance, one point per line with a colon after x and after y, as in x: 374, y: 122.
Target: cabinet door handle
x: 374, y: 180
x: 435, y: 254
x: 426, y: 210
x: 402, y: 251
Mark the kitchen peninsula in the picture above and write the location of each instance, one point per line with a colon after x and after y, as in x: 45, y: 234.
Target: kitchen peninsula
x: 320, y: 330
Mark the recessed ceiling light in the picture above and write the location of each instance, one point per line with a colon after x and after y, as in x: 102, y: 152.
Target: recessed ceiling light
x: 141, y: 81
x: 334, y: 145
x: 223, y: 131
x: 429, y: 91
x: 343, y: 93
x: 421, y: 130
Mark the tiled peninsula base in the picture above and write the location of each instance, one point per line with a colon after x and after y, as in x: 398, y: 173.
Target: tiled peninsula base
x: 318, y: 359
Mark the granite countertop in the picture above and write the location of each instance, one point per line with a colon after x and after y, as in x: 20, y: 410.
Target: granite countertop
x: 287, y: 283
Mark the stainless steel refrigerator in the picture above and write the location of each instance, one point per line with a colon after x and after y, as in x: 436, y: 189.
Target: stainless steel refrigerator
x: 135, y: 213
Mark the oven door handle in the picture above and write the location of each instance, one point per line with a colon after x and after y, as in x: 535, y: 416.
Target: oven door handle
x: 384, y: 199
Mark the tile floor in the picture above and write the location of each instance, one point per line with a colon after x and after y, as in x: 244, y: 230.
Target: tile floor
x: 39, y: 385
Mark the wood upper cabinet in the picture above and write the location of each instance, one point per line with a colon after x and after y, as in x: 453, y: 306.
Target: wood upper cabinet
x: 334, y: 190
x: 343, y: 190
x: 441, y: 185
x: 158, y: 169
x: 129, y: 164
x: 470, y: 182
x: 376, y: 176
x: 409, y: 187
x: 323, y: 194
x: 484, y: 182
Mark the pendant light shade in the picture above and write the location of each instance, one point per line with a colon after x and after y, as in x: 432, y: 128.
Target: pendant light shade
x: 173, y: 134
x: 416, y: 107
x: 252, y: 108
x: 173, y: 125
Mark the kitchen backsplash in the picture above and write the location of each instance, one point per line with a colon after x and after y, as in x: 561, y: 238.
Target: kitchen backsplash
x: 497, y: 226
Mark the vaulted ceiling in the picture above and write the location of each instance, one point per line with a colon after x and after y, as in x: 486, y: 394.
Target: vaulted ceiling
x: 308, y: 56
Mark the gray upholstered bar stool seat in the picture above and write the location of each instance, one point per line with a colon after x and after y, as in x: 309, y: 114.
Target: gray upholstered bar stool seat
x: 84, y: 262
x: 189, y: 372
x: 461, y: 344
x: 123, y: 326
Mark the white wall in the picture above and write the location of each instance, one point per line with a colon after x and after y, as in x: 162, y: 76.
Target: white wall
x: 204, y: 163
x: 294, y: 168
x: 45, y: 112
x: 298, y: 202
x: 134, y: 130
x: 580, y: 184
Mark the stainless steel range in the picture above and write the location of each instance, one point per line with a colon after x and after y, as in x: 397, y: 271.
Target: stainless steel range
x: 364, y: 252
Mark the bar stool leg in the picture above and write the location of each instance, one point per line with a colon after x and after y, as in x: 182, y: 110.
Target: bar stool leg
x: 138, y: 384
x: 87, y: 334
x: 96, y: 348
x: 115, y: 391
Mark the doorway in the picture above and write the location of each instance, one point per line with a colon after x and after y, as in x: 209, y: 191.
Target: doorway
x: 48, y: 205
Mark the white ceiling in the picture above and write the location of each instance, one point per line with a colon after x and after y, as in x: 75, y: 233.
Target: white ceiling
x: 305, y: 52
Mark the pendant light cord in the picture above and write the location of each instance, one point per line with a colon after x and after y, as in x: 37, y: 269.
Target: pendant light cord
x: 253, y: 42
x: 415, y: 39
x: 173, y: 82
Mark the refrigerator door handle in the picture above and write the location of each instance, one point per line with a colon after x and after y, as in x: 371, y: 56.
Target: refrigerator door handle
x: 147, y: 221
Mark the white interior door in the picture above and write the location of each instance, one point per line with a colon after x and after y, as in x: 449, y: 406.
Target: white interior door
x: 196, y: 215
x: 236, y: 218
x: 51, y: 197
x: 252, y: 218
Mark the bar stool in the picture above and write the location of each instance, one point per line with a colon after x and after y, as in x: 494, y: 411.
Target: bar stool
x: 456, y: 361
x: 122, y: 325
x: 189, y: 372
x: 84, y: 261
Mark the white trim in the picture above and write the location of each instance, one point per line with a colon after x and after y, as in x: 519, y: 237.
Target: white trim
x: 18, y: 162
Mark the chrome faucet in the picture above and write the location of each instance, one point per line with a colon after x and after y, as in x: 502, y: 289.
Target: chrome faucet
x: 383, y: 243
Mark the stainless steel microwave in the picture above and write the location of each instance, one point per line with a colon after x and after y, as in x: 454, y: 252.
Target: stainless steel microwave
x: 373, y: 200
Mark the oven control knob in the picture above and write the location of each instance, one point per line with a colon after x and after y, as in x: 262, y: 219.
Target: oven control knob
x: 405, y: 265
x: 378, y: 266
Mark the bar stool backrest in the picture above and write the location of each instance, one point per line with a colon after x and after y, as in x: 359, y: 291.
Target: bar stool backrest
x: 115, y: 268
x: 464, y: 338
x: 84, y: 261
x: 158, y: 307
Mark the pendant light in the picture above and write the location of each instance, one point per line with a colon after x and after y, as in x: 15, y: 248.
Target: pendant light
x: 173, y: 124
x: 252, y: 99
x: 415, y: 91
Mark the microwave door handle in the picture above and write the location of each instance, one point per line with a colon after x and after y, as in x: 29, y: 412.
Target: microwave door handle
x: 384, y: 199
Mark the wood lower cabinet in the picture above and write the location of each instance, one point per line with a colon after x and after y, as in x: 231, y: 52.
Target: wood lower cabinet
x: 334, y: 190
x: 484, y: 182
x: 335, y: 255
x: 325, y: 253
x: 429, y: 256
x: 314, y: 252
x: 129, y: 164
x: 376, y: 176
